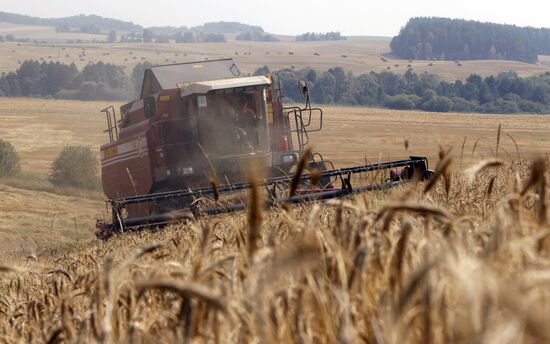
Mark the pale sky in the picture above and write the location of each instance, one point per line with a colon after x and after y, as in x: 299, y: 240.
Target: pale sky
x: 350, y: 17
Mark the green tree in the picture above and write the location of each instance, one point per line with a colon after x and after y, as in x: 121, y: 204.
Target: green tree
x: 365, y: 91
x: 324, y: 89
x: 188, y: 37
x: 438, y: 104
x: 75, y: 166
x: 112, y: 36
x: 400, y: 102
x: 9, y: 159
x: 137, y: 75
x: 148, y: 36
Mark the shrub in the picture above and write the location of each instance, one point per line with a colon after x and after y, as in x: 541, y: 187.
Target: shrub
x: 9, y: 159
x: 400, y: 102
x: 531, y: 107
x: 463, y: 105
x: 75, y: 166
x: 438, y: 104
x: 500, y: 106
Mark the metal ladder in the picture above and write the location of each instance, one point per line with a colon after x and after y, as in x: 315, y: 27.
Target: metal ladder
x: 112, y: 127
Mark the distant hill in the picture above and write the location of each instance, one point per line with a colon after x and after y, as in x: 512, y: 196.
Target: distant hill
x: 25, y: 20
x: 214, y: 27
x: 457, y: 39
x: 98, y: 24
x: 226, y: 27
x: 84, y: 23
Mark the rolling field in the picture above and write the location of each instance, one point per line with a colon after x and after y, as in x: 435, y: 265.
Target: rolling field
x: 40, y: 128
x: 44, y: 33
x: 358, y: 54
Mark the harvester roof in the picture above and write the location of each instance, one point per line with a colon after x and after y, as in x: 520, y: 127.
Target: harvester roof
x: 167, y: 77
x: 203, y: 87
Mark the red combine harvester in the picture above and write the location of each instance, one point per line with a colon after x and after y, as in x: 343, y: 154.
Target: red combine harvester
x: 186, y: 146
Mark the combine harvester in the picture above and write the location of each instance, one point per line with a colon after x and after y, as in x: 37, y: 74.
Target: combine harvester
x: 185, y: 149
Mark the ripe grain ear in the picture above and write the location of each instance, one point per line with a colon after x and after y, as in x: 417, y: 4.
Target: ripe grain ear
x: 299, y: 171
x: 498, y: 139
x: 254, y: 218
x: 472, y: 172
x: 398, y: 259
x: 441, y: 170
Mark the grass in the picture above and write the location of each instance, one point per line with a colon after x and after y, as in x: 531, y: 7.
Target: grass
x: 27, y: 181
x: 419, y: 264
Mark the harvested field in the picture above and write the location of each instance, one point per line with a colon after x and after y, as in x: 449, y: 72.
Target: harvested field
x: 40, y: 128
x: 358, y: 55
x: 33, y: 220
x: 47, y: 33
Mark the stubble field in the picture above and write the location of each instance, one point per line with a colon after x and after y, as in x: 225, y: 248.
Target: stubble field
x: 358, y: 55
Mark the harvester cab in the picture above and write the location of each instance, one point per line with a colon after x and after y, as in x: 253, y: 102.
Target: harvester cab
x: 195, y: 133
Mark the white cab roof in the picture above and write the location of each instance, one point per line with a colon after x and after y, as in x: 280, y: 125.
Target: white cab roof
x: 203, y: 87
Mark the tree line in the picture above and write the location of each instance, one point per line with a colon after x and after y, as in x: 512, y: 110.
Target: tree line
x: 258, y: 36
x: 457, y: 39
x: 149, y: 36
x: 96, y: 81
x: 504, y: 93
x: 313, y: 36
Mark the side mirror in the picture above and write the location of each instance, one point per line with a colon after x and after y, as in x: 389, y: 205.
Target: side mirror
x: 304, y: 91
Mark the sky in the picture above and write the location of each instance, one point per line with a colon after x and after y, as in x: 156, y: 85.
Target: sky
x: 350, y: 17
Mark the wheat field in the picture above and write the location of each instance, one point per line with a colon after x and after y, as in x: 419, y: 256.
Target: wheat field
x: 461, y: 258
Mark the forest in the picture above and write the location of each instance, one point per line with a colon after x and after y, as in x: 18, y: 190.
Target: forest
x: 503, y: 93
x: 457, y: 39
